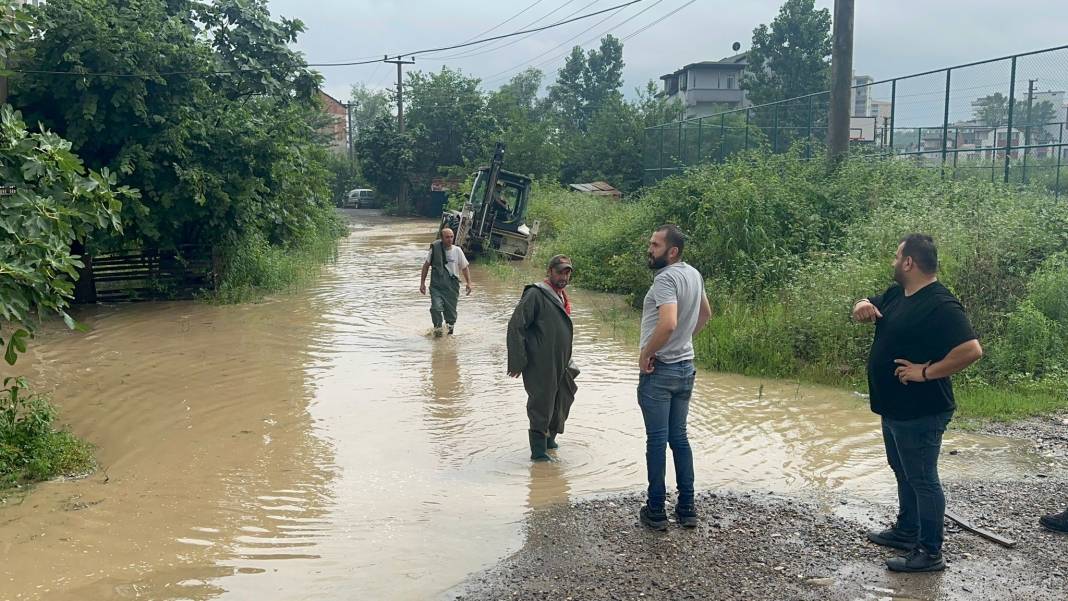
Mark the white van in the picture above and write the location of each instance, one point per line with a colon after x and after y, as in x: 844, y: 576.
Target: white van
x: 360, y: 198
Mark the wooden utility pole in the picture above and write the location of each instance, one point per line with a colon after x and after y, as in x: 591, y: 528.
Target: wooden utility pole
x: 841, y: 82
x: 402, y: 196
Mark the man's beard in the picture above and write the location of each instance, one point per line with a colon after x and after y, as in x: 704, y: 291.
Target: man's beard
x: 899, y: 275
x: 658, y: 262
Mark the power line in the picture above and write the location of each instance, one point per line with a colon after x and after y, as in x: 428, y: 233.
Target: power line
x: 504, y: 22
x: 634, y: 33
x: 493, y: 48
x: 490, y: 39
x: 497, y: 75
x: 145, y: 75
x: 641, y: 30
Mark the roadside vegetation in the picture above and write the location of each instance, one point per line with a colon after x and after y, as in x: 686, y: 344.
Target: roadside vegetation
x: 209, y: 138
x: 786, y: 250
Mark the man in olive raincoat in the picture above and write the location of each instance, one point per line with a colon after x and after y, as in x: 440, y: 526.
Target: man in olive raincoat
x: 539, y: 348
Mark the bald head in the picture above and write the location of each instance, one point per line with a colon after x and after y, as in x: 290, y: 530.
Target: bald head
x: 447, y: 236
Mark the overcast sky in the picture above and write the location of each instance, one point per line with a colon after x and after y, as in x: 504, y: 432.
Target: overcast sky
x: 892, y: 37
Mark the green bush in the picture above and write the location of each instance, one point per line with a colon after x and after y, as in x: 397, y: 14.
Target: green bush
x: 786, y: 249
x: 253, y: 267
x: 31, y: 449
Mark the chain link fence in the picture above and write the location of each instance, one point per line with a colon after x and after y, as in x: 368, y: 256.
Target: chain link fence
x: 1001, y: 119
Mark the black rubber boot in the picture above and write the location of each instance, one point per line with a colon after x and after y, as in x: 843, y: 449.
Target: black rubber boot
x: 551, y: 442
x: 538, y: 446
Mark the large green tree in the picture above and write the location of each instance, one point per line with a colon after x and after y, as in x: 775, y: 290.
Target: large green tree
x: 203, y: 106
x: 587, y: 82
x: 386, y: 156
x: 525, y: 123
x: 448, y: 119
x: 370, y: 105
x: 791, y: 56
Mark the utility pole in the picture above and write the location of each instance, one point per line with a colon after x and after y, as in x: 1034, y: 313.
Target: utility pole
x: 402, y: 197
x: 841, y: 82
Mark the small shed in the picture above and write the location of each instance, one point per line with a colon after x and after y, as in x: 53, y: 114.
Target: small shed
x: 597, y: 189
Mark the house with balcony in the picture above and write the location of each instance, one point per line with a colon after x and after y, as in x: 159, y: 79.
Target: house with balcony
x: 707, y: 87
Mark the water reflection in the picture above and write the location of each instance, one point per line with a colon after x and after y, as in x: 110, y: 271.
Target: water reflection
x: 548, y: 484
x: 320, y: 445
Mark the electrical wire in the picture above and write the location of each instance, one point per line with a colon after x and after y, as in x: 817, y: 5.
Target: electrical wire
x: 144, y: 75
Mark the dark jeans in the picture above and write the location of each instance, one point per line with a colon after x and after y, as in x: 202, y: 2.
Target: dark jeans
x: 912, y: 448
x: 664, y: 397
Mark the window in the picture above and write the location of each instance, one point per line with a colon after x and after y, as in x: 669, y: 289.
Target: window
x: 730, y: 82
x: 684, y: 80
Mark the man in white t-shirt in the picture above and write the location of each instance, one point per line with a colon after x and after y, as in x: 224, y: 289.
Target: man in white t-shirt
x: 445, y: 261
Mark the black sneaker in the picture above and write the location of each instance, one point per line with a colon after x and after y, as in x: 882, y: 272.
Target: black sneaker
x: 1058, y: 522
x: 654, y: 518
x: 917, y: 560
x: 450, y: 329
x: 686, y: 516
x: 892, y: 537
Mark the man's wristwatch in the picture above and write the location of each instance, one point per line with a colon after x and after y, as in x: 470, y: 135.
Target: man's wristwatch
x: 924, y: 372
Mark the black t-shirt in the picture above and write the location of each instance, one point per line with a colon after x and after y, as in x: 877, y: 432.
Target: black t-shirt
x: 919, y: 328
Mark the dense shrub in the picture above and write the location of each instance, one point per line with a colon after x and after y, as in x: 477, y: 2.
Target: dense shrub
x: 787, y: 248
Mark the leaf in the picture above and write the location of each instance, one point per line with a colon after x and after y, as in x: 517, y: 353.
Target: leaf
x: 16, y: 344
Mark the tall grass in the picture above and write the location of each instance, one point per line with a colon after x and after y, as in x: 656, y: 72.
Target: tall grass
x: 31, y: 447
x: 254, y: 267
x: 787, y: 248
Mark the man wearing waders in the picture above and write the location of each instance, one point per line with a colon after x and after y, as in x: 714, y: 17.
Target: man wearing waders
x: 445, y: 261
x: 539, y: 349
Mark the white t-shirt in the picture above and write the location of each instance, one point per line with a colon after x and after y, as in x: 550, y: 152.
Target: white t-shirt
x: 455, y: 261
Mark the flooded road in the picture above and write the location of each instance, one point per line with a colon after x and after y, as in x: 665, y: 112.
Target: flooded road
x: 322, y: 445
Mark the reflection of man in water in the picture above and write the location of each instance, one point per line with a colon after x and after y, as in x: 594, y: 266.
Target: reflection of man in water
x: 446, y: 262
x: 539, y: 347
x: 922, y: 337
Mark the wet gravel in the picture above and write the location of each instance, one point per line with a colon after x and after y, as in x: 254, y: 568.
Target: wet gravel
x: 766, y: 546
x: 1048, y: 435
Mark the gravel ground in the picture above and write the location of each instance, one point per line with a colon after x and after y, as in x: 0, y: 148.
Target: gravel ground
x: 1048, y: 435
x: 764, y: 546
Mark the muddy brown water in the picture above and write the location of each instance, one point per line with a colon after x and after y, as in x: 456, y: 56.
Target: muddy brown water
x: 322, y: 445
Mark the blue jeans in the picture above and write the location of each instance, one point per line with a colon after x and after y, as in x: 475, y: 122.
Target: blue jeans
x: 664, y: 397
x: 912, y: 449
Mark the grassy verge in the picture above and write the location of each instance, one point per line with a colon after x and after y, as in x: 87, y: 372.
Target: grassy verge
x: 31, y: 448
x: 787, y: 248
x: 254, y: 267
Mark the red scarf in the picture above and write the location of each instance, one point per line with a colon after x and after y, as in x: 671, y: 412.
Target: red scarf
x: 563, y: 296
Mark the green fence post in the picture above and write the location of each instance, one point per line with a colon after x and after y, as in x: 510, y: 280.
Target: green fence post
x: 660, y: 161
x: 808, y: 134
x: 681, y: 158
x: 994, y: 156
x: 945, y: 126
x: 775, y: 127
x: 1008, y: 128
x: 700, y: 134
x: 747, y: 129
x: 722, y: 133
x: 893, y: 107
x: 1060, y: 153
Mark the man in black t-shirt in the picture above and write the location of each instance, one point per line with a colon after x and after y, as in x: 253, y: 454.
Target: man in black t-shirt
x: 922, y: 337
